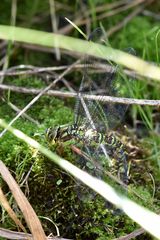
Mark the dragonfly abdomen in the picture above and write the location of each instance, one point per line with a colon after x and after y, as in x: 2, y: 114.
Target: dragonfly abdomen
x: 91, y: 137
x: 120, y: 155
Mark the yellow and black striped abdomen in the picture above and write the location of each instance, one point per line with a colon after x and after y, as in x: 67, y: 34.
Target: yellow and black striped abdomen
x: 119, y: 155
x: 93, y: 138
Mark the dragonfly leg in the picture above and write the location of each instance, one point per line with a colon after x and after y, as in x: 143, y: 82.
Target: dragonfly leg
x: 122, y: 164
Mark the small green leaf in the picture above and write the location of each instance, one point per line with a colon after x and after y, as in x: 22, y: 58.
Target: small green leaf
x: 59, y: 182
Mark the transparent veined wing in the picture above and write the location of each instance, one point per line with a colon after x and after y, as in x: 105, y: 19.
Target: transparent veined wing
x: 109, y: 81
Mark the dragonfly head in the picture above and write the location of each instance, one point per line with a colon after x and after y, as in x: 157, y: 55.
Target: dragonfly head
x: 52, y: 134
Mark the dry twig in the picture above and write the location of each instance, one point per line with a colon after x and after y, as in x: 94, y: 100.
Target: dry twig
x: 130, y: 101
x: 5, y: 233
x: 132, y: 234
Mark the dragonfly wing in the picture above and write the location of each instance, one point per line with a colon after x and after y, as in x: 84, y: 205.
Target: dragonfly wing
x: 109, y: 81
x: 106, y: 161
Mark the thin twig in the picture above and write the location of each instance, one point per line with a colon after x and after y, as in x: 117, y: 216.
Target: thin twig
x: 13, y: 12
x: 130, y: 101
x: 29, y: 69
x: 63, y: 6
x: 22, y: 236
x: 82, y: 19
x: 120, y: 9
x: 100, y: 67
x: 132, y: 234
x: 112, y: 5
x: 151, y: 14
x: 2, y: 62
x: 46, y: 49
x: 15, y: 108
x: 54, y: 25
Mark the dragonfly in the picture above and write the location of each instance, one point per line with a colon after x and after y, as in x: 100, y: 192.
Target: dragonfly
x: 95, y: 121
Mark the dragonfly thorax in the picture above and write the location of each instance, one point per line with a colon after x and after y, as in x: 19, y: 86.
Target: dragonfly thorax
x: 91, y: 136
x: 80, y: 133
x: 61, y: 133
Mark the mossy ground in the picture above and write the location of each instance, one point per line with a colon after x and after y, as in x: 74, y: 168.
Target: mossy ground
x: 52, y: 192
